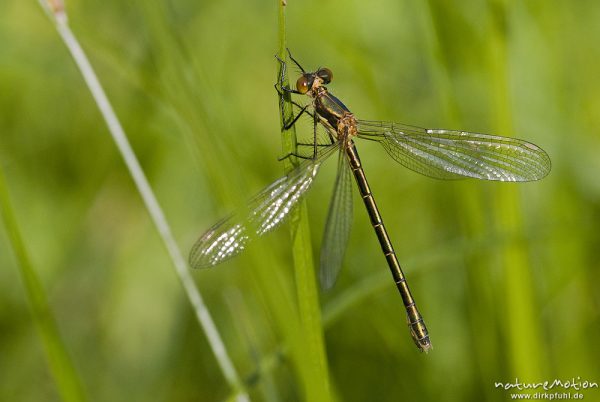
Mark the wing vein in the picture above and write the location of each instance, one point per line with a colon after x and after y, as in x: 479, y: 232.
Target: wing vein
x: 263, y: 213
x: 447, y: 154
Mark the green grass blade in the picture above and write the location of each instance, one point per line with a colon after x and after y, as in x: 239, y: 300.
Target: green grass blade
x: 519, y: 323
x: 61, y: 367
x: 522, y: 327
x: 59, y: 17
x: 313, y: 364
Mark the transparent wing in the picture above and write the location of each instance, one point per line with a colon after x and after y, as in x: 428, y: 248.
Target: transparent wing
x: 337, y: 228
x: 447, y: 154
x: 263, y: 213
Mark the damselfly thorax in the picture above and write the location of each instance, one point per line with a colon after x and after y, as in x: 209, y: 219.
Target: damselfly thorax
x: 331, y: 112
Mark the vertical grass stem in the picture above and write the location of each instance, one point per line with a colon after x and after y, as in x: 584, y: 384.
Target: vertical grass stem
x: 57, y: 13
x: 313, y: 367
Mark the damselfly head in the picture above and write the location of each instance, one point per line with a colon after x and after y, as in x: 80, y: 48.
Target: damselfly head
x: 310, y: 81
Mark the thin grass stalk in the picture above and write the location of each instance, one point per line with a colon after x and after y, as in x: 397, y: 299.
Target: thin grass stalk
x: 522, y: 327
x: 477, y: 263
x: 314, y: 369
x: 58, y: 15
x: 61, y: 367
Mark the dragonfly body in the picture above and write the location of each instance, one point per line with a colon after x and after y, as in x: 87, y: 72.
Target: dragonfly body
x: 339, y: 121
x: 438, y: 153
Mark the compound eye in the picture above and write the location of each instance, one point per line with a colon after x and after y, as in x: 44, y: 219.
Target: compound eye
x: 303, y: 84
x: 325, y: 74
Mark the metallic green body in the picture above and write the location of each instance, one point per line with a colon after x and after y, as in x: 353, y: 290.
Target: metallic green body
x: 338, y: 118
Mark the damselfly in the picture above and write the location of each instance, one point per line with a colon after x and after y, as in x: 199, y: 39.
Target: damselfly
x: 442, y: 154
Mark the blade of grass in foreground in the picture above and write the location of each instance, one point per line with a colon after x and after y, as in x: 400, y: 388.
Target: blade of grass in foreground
x: 313, y: 367
x: 481, y: 322
x: 61, y: 367
x: 57, y: 13
x: 522, y: 325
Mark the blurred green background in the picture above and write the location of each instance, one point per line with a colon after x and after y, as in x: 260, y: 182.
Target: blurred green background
x: 506, y: 275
